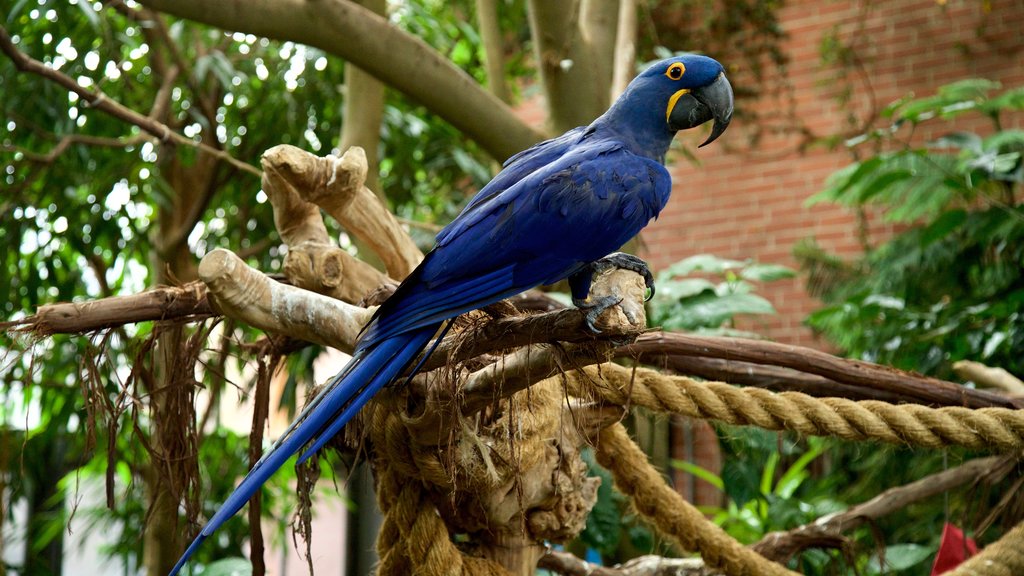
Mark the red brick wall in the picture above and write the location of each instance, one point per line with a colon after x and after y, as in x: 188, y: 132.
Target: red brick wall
x: 749, y: 203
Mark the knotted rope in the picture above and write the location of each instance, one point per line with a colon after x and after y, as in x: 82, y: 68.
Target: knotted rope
x: 473, y: 483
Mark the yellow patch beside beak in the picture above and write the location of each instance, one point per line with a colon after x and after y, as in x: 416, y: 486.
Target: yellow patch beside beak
x: 672, y: 102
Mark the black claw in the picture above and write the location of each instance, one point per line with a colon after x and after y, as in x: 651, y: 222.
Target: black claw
x: 624, y: 261
x: 594, y: 309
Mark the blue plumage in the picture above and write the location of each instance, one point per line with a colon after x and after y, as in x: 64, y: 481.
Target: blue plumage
x: 552, y: 211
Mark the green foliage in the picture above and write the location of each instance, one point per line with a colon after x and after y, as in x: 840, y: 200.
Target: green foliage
x: 687, y: 300
x: 950, y: 286
x: 89, y: 201
x: 762, y: 497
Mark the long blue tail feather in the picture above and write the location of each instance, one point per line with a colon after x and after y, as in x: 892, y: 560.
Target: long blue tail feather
x: 368, y: 371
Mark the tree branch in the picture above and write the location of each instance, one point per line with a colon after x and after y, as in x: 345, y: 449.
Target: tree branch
x: 781, y: 546
x: 369, y: 41
x: 336, y: 185
x: 104, y: 103
x: 858, y: 373
x: 776, y: 378
x: 494, y: 53
x: 72, y: 139
x: 249, y: 296
x: 989, y: 377
x: 169, y: 302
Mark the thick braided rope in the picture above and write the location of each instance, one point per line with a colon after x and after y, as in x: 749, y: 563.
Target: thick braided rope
x: 671, y: 514
x: 998, y: 429
x: 1005, y: 557
x: 413, y: 539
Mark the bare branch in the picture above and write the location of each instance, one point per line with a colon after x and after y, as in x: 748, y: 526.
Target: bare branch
x: 780, y: 546
x: 249, y: 296
x: 989, y: 377
x: 769, y: 377
x: 157, y: 304
x: 73, y: 139
x: 336, y: 185
x: 922, y: 388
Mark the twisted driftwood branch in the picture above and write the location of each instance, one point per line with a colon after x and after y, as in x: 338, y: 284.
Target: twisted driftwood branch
x: 336, y: 185
x: 249, y: 296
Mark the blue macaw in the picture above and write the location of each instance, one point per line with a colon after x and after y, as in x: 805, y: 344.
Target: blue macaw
x: 555, y: 211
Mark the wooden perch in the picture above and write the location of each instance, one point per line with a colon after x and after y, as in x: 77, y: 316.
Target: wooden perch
x: 336, y: 185
x: 167, y: 302
x: 776, y: 378
x: 312, y: 262
x: 249, y: 296
x: 622, y: 322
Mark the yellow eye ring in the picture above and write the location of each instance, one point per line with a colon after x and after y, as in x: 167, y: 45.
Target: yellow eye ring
x: 675, y: 71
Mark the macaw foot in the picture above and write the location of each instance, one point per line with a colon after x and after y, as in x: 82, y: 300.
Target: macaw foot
x: 594, y: 307
x: 580, y: 282
x: 624, y: 261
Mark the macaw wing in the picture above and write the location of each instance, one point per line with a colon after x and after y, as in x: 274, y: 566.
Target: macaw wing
x: 538, y: 231
x: 515, y: 169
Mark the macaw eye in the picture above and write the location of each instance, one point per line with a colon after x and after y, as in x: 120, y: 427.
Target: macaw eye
x: 675, y: 71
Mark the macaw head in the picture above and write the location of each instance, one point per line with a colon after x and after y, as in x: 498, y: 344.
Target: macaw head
x: 675, y: 94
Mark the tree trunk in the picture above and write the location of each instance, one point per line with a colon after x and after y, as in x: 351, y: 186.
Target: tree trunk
x: 173, y: 263
x: 363, y: 114
x: 494, y: 53
x: 364, y: 110
x: 574, y: 52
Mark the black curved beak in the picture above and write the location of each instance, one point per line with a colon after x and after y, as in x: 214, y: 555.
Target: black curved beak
x: 711, y: 102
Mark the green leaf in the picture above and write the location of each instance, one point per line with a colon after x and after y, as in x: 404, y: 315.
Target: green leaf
x: 943, y: 226
x: 768, y: 473
x: 711, y: 310
x: 960, y: 141
x: 900, y: 557
x: 698, y: 471
x: 882, y: 182
x: 703, y: 263
x: 766, y: 272
x: 679, y: 289
x: 796, y: 474
x: 1004, y: 140
x: 1012, y: 99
